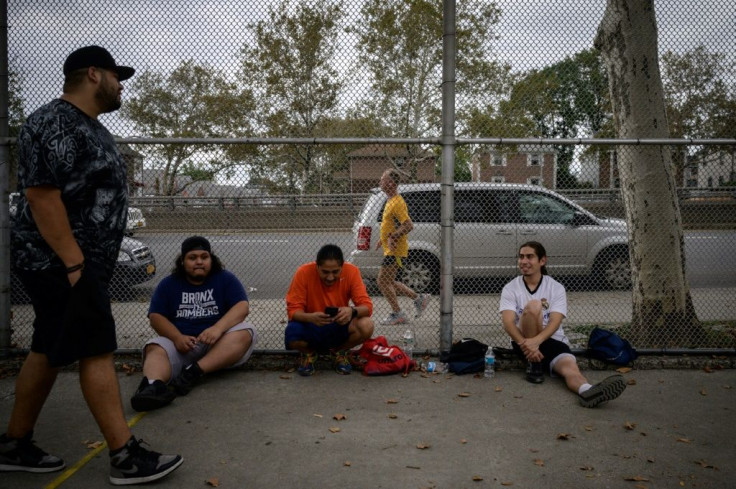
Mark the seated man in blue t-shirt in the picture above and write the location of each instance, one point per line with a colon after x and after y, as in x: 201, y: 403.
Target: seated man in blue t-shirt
x: 199, y: 312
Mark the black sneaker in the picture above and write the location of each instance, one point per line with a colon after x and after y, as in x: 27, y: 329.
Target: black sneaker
x: 151, y: 396
x: 606, y: 390
x: 184, y: 382
x: 20, y: 454
x: 134, y: 464
x: 534, y: 373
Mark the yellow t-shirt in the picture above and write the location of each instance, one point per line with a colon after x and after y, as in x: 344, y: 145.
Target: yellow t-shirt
x: 394, y: 214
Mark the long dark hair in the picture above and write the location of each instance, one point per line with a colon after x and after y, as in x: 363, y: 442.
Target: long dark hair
x: 178, y: 269
x: 539, y: 250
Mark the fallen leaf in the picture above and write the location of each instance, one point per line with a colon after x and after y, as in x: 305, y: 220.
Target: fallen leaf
x: 413, y: 467
x: 477, y: 478
x: 317, y: 415
x: 392, y: 401
x: 650, y: 460
x: 392, y: 416
x: 703, y: 392
x: 563, y: 436
x: 334, y: 429
x: 629, y: 425
x: 631, y: 381
x: 539, y: 462
x: 290, y: 370
x: 347, y: 463
x: 705, y: 464
x: 640, y: 486
x: 464, y: 394
x: 624, y: 370
x: 684, y: 440
x: 587, y: 467
x: 708, y: 370
x: 463, y: 441
x: 498, y: 388
x: 588, y: 428
x: 339, y: 417
x: 518, y: 396
x: 507, y: 483
x: 636, y: 478
x: 534, y: 450
x: 422, y: 446
x: 284, y: 377
x: 128, y: 369
x: 726, y: 386
x: 94, y: 444
x: 214, y: 482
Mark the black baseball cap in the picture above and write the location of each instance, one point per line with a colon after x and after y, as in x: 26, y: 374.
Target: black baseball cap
x: 98, y: 57
x: 195, y: 243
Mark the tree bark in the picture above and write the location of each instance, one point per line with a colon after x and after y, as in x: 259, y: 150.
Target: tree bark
x: 663, y: 314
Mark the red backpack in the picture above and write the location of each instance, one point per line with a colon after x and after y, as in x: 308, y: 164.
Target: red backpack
x: 382, y: 359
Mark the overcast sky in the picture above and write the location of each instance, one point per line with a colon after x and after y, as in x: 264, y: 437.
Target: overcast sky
x: 159, y: 34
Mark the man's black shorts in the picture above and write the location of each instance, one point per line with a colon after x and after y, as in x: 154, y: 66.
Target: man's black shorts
x: 71, y: 322
x: 550, y: 348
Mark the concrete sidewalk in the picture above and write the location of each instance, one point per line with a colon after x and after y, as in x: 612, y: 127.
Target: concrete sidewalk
x: 273, y: 429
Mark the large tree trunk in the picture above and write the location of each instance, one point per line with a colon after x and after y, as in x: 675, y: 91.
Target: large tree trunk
x: 663, y: 313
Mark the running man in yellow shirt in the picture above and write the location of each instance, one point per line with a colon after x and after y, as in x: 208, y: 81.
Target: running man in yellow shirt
x: 395, y: 226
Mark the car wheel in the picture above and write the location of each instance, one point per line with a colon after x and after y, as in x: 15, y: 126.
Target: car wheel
x: 614, y: 270
x: 421, y: 273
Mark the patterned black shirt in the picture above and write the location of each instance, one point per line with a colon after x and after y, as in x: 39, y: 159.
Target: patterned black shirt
x: 60, y: 145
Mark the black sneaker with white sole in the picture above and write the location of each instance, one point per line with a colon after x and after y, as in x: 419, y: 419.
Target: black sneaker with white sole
x: 606, y: 390
x: 21, y: 454
x: 534, y: 372
x: 150, y: 396
x: 133, y: 464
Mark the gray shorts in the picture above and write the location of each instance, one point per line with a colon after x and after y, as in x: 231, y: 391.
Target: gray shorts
x: 180, y: 360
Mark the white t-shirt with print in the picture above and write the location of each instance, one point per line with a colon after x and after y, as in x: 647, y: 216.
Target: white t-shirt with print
x: 551, y: 293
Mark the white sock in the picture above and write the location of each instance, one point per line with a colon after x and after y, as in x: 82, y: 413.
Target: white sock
x: 584, y: 388
x: 151, y: 381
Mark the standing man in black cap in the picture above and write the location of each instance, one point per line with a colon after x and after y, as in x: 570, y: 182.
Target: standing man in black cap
x: 199, y: 312
x: 68, y: 229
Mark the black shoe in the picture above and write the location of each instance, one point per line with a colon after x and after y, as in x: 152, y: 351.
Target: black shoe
x: 134, y: 464
x: 534, y: 373
x: 151, y: 396
x: 606, y: 390
x: 20, y: 454
x: 184, y: 382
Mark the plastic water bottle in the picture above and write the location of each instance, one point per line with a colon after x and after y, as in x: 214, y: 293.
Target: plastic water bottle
x: 490, y: 371
x: 436, y: 368
x: 408, y: 343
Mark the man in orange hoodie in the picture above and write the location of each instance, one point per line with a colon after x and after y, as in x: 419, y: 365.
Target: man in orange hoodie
x: 321, y: 317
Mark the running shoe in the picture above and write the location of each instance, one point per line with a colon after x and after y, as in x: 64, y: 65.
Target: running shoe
x: 21, y: 454
x: 606, y: 390
x: 133, y: 464
x: 395, y: 318
x: 421, y: 303
x: 306, y: 364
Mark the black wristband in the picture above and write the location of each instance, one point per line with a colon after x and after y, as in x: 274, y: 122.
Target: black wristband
x: 355, y: 312
x: 74, y: 268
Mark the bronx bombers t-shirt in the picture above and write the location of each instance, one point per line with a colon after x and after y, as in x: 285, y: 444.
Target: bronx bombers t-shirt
x: 551, y: 293
x: 194, y: 308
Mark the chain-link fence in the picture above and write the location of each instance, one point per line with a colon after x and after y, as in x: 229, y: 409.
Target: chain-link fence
x: 357, y: 87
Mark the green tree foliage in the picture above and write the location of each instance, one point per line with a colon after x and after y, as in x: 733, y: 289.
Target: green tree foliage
x: 400, y: 48
x: 700, y: 93
x: 16, y: 118
x: 568, y: 99
x: 290, y: 69
x: 194, y: 100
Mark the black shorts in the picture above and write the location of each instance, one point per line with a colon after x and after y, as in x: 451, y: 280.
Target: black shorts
x: 389, y: 260
x: 550, y: 348
x: 71, y: 322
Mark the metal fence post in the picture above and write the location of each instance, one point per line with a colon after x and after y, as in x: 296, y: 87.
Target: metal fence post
x: 4, y: 180
x: 447, y: 217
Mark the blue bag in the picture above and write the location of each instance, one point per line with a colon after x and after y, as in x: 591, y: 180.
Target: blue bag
x: 609, y: 347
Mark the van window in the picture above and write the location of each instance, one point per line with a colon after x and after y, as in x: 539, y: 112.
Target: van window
x: 423, y: 206
x: 483, y: 206
x: 543, y: 209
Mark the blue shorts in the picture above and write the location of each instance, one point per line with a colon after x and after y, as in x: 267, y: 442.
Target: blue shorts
x: 319, y: 338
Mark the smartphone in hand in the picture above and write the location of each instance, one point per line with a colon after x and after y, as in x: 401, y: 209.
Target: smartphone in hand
x: 331, y: 311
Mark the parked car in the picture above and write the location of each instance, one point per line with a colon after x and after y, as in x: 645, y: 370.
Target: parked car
x: 491, y: 222
x: 136, y: 221
x: 136, y: 264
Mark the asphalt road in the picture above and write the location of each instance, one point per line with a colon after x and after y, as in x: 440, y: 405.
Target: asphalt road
x: 266, y: 261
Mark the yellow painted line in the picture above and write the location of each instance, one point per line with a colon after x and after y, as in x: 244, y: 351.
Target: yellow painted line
x: 81, y: 463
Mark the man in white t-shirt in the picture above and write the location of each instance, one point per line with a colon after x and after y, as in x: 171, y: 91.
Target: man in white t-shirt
x: 532, y: 308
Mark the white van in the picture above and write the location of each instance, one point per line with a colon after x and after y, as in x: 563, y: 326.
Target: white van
x: 491, y: 221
